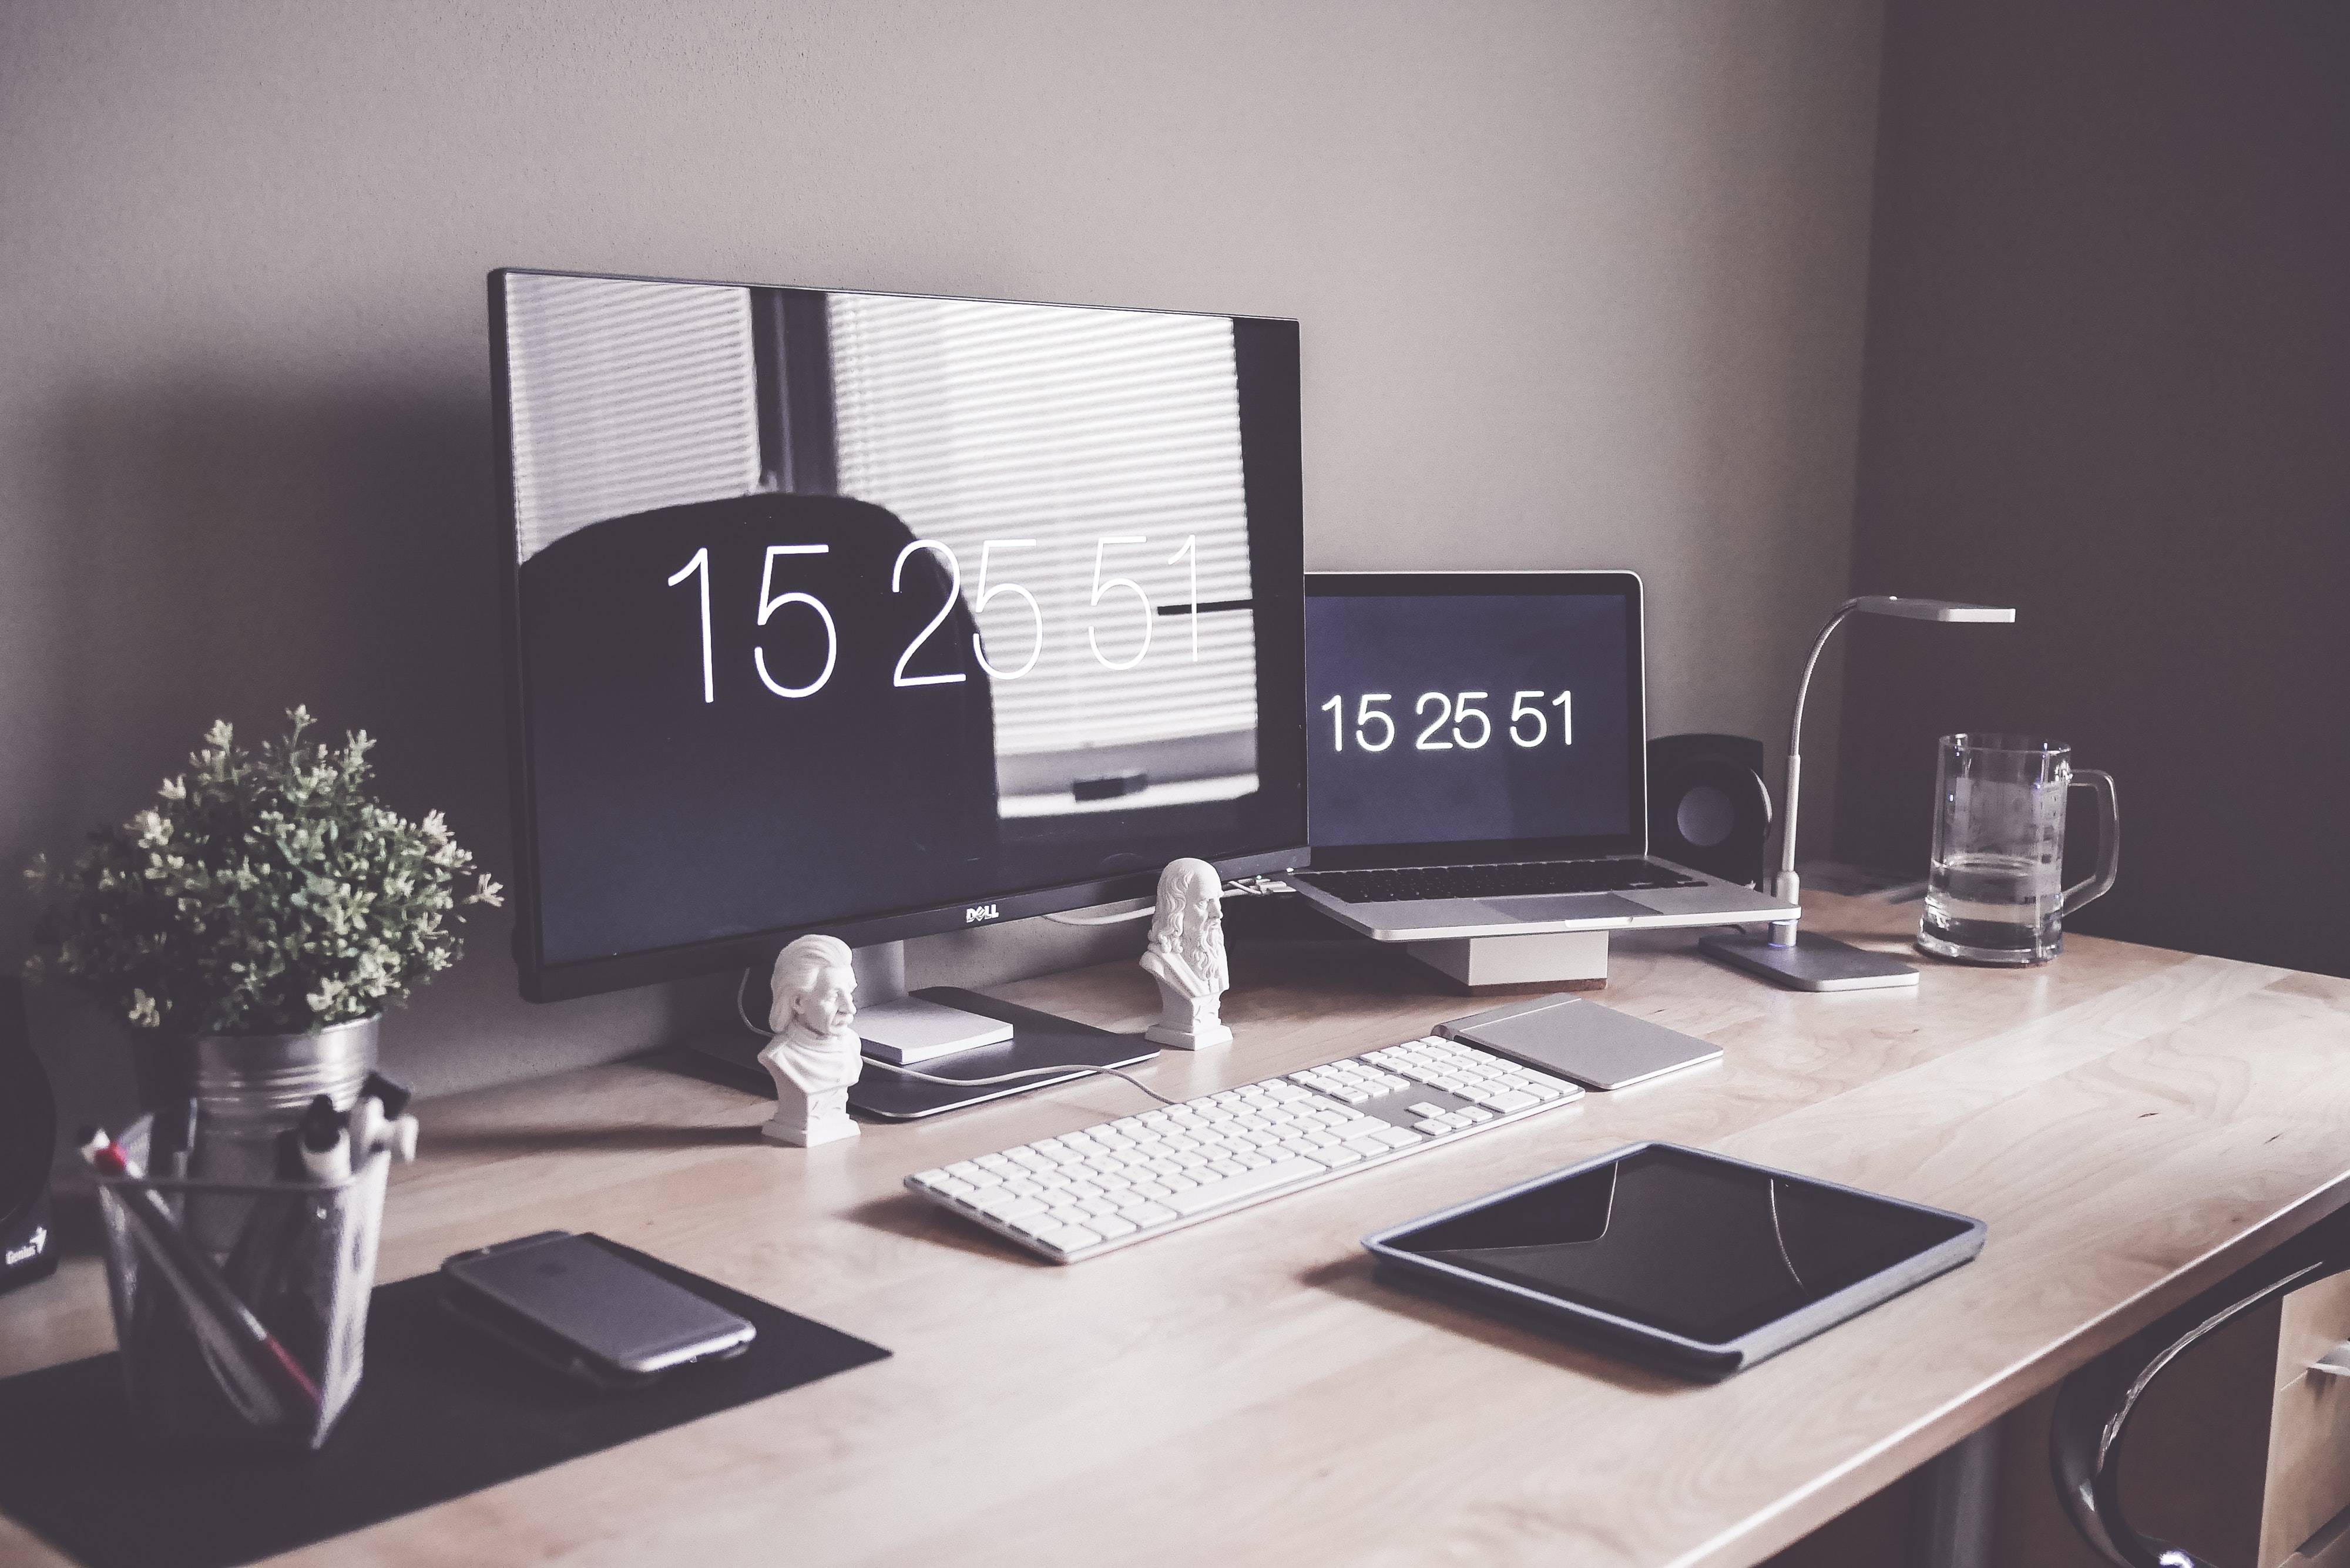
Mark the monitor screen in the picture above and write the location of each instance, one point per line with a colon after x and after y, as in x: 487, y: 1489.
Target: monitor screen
x: 1473, y: 715
x: 880, y: 615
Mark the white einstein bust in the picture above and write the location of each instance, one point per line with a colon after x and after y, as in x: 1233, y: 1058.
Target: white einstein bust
x: 1186, y: 957
x: 814, y: 1056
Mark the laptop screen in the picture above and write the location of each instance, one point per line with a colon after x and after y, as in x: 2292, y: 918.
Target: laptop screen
x: 1473, y: 716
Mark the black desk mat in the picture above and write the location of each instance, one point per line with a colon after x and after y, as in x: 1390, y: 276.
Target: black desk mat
x: 440, y: 1414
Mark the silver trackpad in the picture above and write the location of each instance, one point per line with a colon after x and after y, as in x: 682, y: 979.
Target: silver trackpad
x: 1543, y: 907
x: 1596, y: 1046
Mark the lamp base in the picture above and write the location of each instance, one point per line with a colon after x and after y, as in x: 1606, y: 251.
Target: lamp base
x: 1813, y: 963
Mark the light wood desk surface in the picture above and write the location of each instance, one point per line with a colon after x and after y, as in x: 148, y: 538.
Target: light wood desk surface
x: 2132, y: 1123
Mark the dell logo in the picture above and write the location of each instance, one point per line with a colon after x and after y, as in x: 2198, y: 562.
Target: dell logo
x: 977, y: 913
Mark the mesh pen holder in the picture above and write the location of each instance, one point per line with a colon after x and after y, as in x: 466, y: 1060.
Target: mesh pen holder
x: 301, y: 1261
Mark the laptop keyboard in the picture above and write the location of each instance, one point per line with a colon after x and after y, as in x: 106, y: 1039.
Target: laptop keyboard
x: 1515, y: 881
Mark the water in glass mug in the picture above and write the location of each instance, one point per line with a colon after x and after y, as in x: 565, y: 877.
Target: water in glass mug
x: 1993, y: 894
x: 1981, y: 900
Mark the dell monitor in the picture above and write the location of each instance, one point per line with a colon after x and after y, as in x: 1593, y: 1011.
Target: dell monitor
x: 882, y: 614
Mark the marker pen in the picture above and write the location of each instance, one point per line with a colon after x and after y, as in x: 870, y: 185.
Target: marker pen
x: 326, y: 1149
x: 379, y: 1121
x: 393, y: 1097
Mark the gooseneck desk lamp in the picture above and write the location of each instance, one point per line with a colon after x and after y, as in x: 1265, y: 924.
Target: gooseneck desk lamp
x: 1799, y: 960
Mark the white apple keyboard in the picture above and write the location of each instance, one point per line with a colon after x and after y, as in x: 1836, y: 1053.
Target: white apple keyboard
x: 1085, y: 1193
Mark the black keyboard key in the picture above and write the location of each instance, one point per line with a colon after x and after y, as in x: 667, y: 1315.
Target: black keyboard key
x: 1515, y: 881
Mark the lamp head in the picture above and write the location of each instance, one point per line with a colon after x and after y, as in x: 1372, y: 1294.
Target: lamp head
x: 1928, y: 609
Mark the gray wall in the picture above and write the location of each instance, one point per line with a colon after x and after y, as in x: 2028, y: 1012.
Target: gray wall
x: 1581, y: 284
x: 2109, y: 383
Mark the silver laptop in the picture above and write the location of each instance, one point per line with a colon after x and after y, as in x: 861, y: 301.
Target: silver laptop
x: 1478, y: 760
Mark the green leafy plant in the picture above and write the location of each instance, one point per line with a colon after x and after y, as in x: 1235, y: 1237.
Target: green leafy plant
x: 268, y: 893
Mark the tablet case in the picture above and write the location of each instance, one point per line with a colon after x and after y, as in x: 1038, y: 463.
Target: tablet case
x: 1641, y: 1342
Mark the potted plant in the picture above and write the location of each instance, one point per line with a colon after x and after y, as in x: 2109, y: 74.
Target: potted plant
x: 250, y: 928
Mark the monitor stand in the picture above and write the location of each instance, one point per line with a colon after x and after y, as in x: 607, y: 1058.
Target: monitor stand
x: 1023, y: 1038
x: 1009, y: 1039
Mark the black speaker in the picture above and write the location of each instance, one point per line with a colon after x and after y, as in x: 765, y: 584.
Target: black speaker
x: 1708, y: 808
x: 28, y: 1141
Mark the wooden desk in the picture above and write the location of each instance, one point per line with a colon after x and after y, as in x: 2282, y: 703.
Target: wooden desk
x: 2133, y: 1124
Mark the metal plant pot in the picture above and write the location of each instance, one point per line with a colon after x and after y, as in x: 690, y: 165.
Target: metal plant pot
x: 221, y: 1100
x: 248, y: 1089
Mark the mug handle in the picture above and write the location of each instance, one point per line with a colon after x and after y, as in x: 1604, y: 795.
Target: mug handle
x: 2109, y: 844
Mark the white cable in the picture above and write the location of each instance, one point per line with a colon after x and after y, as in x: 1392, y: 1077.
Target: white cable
x: 740, y: 1012
x: 1143, y: 913
x: 1025, y: 1073
x: 1246, y: 887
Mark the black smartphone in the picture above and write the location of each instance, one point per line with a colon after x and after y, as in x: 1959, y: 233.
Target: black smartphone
x: 571, y: 1304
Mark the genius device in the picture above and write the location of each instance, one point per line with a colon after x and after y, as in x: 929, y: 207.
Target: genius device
x: 881, y: 614
x: 28, y: 1138
x: 1676, y: 1257
x: 568, y: 1303
x: 1477, y: 764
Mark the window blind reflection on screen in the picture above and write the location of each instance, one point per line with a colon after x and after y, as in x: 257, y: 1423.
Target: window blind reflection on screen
x: 973, y: 421
x: 626, y: 397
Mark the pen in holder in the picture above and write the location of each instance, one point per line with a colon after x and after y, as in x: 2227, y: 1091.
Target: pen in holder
x: 259, y: 1346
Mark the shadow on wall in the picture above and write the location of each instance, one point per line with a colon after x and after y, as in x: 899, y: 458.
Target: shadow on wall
x: 234, y: 553
x: 2108, y: 366
x: 223, y: 551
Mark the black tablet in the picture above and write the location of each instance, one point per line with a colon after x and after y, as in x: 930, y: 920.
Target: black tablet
x: 1676, y: 1257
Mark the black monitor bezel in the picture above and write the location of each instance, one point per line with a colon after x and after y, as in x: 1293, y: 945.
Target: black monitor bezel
x: 1276, y: 558
x: 1623, y: 585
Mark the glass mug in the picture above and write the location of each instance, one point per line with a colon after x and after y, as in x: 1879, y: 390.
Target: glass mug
x: 1994, y: 893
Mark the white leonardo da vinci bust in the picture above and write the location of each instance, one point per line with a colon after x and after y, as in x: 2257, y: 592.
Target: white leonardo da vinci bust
x: 1186, y: 957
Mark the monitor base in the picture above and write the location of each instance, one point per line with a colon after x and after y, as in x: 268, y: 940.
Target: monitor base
x: 1015, y: 1039
x: 730, y: 1056
x: 1038, y: 1040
